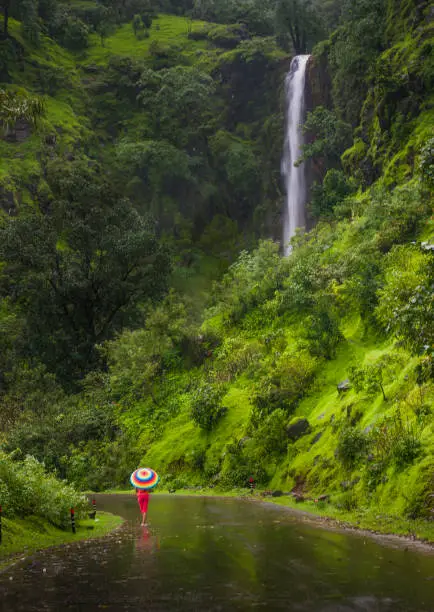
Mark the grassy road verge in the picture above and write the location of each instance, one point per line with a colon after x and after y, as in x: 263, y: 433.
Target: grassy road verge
x: 24, y: 536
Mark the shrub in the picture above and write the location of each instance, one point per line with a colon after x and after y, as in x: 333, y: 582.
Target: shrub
x: 76, y: 34
x: 206, y: 406
x: 374, y: 474
x: 270, y: 437
x: 418, y: 497
x: 406, y: 301
x: 239, y: 466
x: 396, y: 439
x: 235, y: 356
x: 427, y: 163
x: 27, y: 489
x: 406, y: 448
x: 346, y: 501
x: 283, y: 387
x: 352, y: 446
x: 197, y: 459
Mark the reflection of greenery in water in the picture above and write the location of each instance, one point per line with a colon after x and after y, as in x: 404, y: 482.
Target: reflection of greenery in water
x: 229, y: 548
x: 209, y: 554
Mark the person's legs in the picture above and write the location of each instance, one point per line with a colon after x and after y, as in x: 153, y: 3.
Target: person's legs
x: 144, y: 518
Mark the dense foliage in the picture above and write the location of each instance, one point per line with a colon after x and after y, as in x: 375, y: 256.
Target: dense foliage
x: 145, y: 313
x: 27, y: 489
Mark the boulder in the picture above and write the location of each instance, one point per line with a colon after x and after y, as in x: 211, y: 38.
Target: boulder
x: 277, y: 494
x: 297, y: 428
x: 20, y: 132
x: 344, y: 386
x: 298, y: 498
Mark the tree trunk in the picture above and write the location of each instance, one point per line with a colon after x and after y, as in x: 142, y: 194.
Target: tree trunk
x: 5, y: 20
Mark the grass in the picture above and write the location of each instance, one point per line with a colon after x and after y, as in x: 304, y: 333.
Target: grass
x: 369, y: 520
x: 167, y: 30
x: 314, y: 464
x: 25, y: 536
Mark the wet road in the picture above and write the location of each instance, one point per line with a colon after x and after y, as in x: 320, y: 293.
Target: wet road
x: 203, y: 554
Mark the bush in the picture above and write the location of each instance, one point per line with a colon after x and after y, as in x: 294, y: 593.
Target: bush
x: 239, y: 466
x: 406, y: 448
x: 396, y: 439
x: 27, y: 489
x: 352, y: 446
x: 282, y: 388
x: 346, y: 501
x: 76, y: 34
x: 418, y: 497
x: 206, y: 406
x: 427, y: 163
x: 270, y: 437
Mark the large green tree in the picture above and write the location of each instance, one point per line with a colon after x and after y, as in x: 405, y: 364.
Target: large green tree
x: 299, y: 19
x: 79, y: 272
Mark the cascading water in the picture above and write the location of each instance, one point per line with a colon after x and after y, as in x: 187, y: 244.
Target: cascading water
x: 295, y: 177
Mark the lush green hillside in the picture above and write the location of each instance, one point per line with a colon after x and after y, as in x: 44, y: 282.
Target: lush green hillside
x: 161, y: 325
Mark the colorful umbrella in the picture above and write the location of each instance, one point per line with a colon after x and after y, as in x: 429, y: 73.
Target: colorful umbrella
x: 144, y: 478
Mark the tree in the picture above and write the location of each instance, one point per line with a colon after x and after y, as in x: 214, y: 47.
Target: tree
x: 328, y: 138
x: 299, y: 19
x: 79, y: 273
x: 28, y: 12
x: 206, y: 406
x: 178, y: 100
x: 137, y: 25
x: 336, y: 187
x: 6, y: 6
x: 24, y: 10
x: 135, y: 358
x: 75, y: 34
x: 406, y: 301
x: 372, y: 378
x: 355, y: 47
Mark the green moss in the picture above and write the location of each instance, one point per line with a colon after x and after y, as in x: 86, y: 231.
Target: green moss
x: 371, y: 520
x: 397, y: 115
x: 352, y: 157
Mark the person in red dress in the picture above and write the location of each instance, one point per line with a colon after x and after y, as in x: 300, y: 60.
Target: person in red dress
x: 143, y: 499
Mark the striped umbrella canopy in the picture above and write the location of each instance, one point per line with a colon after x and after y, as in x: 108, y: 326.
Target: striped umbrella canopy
x: 144, y: 478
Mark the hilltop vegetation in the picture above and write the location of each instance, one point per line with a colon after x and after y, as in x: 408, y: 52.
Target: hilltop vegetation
x: 147, y: 315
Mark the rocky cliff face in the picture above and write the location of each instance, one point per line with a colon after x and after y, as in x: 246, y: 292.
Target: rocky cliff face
x: 318, y: 92
x: 318, y: 82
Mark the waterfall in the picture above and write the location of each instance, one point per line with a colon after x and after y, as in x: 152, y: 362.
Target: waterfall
x: 295, y: 178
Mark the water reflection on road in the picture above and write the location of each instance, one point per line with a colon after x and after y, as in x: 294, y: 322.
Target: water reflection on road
x: 220, y: 554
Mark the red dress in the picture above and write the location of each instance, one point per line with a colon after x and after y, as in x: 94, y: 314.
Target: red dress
x: 143, y: 499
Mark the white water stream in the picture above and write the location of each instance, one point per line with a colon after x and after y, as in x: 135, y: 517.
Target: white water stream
x: 295, y: 177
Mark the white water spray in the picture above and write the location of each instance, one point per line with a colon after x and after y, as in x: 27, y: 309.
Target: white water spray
x: 295, y: 178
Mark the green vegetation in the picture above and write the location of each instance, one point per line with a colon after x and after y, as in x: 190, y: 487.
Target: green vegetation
x: 36, y: 509
x: 25, y: 536
x: 145, y: 315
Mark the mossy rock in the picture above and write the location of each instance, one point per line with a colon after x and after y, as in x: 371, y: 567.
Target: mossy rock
x: 297, y: 428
